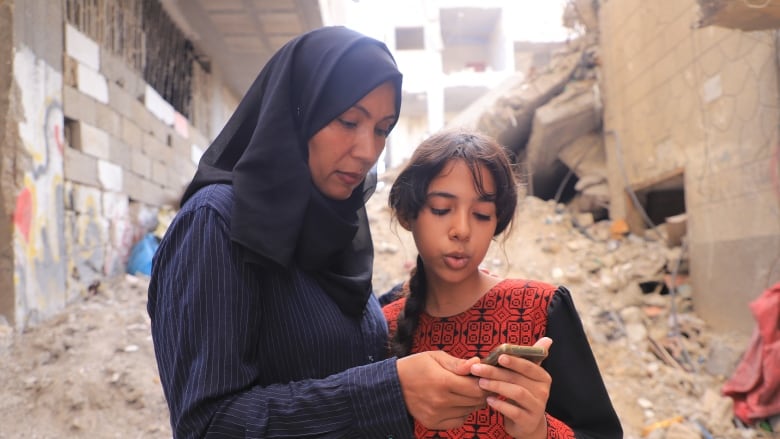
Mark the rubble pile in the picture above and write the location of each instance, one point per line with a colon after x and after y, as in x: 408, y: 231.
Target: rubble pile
x: 664, y: 368
x: 91, y: 372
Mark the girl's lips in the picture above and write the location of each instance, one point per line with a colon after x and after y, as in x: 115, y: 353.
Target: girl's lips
x: 456, y: 262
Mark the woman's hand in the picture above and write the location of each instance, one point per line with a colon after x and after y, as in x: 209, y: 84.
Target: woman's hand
x: 520, y: 391
x: 438, y: 390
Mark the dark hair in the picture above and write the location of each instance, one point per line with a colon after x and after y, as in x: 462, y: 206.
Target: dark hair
x: 408, y: 197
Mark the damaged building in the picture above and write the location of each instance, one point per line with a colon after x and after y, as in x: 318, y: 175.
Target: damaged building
x: 663, y: 115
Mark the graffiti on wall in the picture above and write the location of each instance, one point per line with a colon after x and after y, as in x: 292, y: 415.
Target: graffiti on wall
x: 38, y: 219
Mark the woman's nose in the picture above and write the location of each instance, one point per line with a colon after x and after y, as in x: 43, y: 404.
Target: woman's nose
x: 367, y: 147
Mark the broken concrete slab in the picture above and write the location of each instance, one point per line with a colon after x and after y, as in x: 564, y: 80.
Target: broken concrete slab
x: 740, y: 15
x: 565, y: 118
x: 509, y: 119
x: 585, y: 155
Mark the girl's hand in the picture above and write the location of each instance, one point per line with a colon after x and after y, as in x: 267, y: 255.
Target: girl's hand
x: 520, y: 391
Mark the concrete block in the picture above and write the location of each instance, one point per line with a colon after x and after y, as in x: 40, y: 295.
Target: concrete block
x: 82, y: 48
x: 675, y: 229
x: 152, y: 193
x: 92, y: 83
x: 80, y: 167
x: 711, y: 89
x: 132, y: 134
x: 122, y: 101
x: 153, y: 147
x: 132, y: 186
x: 119, y: 153
x: 70, y: 68
x: 196, y: 152
x: 78, y: 106
x: 117, y: 71
x: 110, y: 175
x: 108, y: 120
x: 157, y: 129
x: 181, y: 125
x: 67, y: 194
x: 159, y: 173
x: 140, y: 163
x: 158, y: 106
x: 178, y: 182
x: 86, y: 199
x: 115, y: 205
x: 89, y: 139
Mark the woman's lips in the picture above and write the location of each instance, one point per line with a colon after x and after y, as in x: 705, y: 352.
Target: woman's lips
x: 350, y: 178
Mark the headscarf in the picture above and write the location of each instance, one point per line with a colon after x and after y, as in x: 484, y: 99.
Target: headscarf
x: 279, y: 215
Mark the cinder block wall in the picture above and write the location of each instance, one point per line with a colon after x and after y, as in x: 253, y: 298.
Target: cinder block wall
x: 129, y: 152
x: 88, y: 154
x: 704, y: 100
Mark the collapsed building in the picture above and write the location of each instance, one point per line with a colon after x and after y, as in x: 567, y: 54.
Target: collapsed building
x: 662, y: 116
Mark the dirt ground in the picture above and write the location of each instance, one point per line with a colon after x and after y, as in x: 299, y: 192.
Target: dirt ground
x: 90, y: 372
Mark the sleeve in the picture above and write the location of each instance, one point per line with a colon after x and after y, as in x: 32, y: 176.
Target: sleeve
x: 203, y: 312
x: 578, y: 396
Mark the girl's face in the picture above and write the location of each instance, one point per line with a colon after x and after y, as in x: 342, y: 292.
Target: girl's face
x: 454, y: 228
x: 342, y: 153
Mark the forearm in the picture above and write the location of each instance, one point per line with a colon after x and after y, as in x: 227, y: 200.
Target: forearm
x: 364, y: 401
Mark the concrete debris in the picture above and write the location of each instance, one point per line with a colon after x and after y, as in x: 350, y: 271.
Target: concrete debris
x: 574, y: 113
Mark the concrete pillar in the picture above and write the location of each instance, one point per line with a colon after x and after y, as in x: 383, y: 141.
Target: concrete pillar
x: 33, y: 263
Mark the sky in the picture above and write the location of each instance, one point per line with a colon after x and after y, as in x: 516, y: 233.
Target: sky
x: 536, y: 20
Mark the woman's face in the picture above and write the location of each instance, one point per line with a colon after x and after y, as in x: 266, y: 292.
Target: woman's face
x: 342, y: 152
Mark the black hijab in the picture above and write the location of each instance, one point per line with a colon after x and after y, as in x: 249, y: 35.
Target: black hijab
x: 279, y: 216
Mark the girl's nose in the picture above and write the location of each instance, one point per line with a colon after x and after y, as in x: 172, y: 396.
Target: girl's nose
x: 460, y: 229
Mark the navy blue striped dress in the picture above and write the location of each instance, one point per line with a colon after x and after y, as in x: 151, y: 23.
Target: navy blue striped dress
x: 250, y: 352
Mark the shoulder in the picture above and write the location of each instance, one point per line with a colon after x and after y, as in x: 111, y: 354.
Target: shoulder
x: 527, y: 286
x: 217, y: 196
x: 392, y: 310
x: 214, y: 197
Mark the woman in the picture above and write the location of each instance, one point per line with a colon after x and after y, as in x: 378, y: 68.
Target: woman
x: 263, y: 320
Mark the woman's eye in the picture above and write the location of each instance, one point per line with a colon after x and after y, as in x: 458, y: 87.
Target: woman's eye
x: 439, y: 212
x: 482, y: 216
x: 347, y: 123
x: 381, y: 132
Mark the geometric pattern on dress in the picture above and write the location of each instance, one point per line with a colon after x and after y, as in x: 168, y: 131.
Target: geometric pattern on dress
x: 513, y: 311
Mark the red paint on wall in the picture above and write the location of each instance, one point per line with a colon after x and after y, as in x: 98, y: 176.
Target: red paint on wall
x: 58, y: 139
x: 23, y: 213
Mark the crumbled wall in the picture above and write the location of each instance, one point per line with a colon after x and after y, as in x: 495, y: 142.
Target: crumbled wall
x: 35, y: 186
x: 704, y: 100
x: 7, y: 186
x: 89, y: 153
x: 129, y: 151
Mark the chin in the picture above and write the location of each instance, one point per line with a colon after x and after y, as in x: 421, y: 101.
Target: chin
x: 339, y: 194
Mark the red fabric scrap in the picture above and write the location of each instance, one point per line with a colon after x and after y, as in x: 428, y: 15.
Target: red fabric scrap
x: 755, y: 384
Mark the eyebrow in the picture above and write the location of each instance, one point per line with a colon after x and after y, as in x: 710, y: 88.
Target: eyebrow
x: 486, y: 198
x: 368, y: 114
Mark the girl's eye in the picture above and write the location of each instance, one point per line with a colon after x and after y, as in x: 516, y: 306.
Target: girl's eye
x: 347, y: 123
x: 482, y: 217
x: 439, y: 212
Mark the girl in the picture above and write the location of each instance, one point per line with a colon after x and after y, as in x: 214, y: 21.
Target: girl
x: 455, y: 195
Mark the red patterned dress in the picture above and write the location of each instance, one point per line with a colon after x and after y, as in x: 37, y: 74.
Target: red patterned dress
x: 520, y: 312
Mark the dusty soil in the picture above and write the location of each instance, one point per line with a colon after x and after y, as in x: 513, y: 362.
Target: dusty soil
x: 90, y: 371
